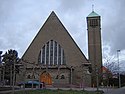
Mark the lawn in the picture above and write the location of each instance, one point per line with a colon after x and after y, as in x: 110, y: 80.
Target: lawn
x: 47, y: 91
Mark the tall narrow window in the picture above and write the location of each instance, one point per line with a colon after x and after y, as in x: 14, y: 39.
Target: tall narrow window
x: 55, y: 55
x: 47, y: 53
x: 52, y: 54
x: 59, y: 55
x: 39, y: 57
x: 43, y: 55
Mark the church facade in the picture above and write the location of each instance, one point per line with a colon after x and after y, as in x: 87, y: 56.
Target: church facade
x: 54, y: 58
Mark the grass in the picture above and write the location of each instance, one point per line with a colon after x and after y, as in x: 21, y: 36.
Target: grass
x: 47, y: 91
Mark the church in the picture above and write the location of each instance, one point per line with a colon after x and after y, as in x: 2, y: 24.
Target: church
x: 53, y: 57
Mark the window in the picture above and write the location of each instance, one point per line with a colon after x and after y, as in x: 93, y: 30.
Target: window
x: 93, y: 22
x: 47, y: 53
x: 28, y: 77
x: 43, y: 55
x: 39, y: 57
x: 62, y: 77
x: 52, y: 54
x: 57, y: 77
x: 55, y: 54
x: 59, y: 55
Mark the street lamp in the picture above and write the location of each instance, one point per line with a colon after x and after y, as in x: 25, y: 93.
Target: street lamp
x: 119, y: 81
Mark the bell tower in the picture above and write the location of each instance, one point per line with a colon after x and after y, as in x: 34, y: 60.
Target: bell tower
x: 94, y: 46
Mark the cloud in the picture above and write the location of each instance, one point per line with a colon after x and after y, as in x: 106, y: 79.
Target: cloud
x: 114, y: 26
x: 20, y: 20
x: 74, y: 5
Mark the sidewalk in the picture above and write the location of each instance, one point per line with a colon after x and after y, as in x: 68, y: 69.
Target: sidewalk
x: 10, y: 91
x: 87, y: 89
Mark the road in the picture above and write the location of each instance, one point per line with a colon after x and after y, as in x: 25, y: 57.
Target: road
x: 116, y: 91
x: 106, y: 90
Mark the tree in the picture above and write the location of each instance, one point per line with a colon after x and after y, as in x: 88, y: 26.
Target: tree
x: 112, y: 67
x: 0, y: 57
x: 111, y: 64
x: 9, y: 59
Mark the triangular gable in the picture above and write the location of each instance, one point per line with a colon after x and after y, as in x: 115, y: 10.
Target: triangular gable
x: 53, y: 29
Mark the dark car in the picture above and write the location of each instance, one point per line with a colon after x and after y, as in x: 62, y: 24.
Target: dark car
x: 30, y: 84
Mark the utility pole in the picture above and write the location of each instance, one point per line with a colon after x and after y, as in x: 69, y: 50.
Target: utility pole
x: 3, y: 75
x: 33, y: 77
x: 24, y: 66
x: 71, y: 77
x: 11, y: 72
x: 13, y: 89
x: 118, y: 69
x: 83, y: 78
x: 39, y: 78
x: 83, y: 81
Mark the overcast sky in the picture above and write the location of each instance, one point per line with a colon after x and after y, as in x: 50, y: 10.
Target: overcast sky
x: 20, y: 21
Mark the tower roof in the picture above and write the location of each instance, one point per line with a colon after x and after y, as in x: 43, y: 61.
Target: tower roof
x: 93, y: 14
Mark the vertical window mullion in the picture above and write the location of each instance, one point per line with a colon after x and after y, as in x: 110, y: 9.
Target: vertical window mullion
x: 49, y: 53
x: 45, y: 54
x: 53, y: 51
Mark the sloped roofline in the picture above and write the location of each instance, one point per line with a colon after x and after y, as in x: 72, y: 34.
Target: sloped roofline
x: 93, y: 14
x: 65, y: 30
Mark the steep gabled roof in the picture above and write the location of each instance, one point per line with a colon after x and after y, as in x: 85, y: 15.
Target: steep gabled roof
x: 52, y: 29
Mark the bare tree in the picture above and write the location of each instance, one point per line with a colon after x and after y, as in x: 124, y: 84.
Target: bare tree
x: 112, y: 67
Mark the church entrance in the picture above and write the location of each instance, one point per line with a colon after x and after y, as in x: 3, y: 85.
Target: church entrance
x: 46, y: 78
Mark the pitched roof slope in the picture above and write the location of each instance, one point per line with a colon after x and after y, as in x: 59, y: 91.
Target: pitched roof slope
x: 93, y: 14
x: 53, y: 29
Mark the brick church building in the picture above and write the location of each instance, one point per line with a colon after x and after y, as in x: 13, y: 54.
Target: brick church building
x: 54, y: 58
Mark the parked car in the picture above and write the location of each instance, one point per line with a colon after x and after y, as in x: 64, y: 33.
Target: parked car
x: 30, y: 83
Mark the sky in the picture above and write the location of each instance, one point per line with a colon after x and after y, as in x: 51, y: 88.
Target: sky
x: 20, y: 21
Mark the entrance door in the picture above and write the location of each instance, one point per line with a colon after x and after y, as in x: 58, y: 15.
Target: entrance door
x: 46, y: 78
